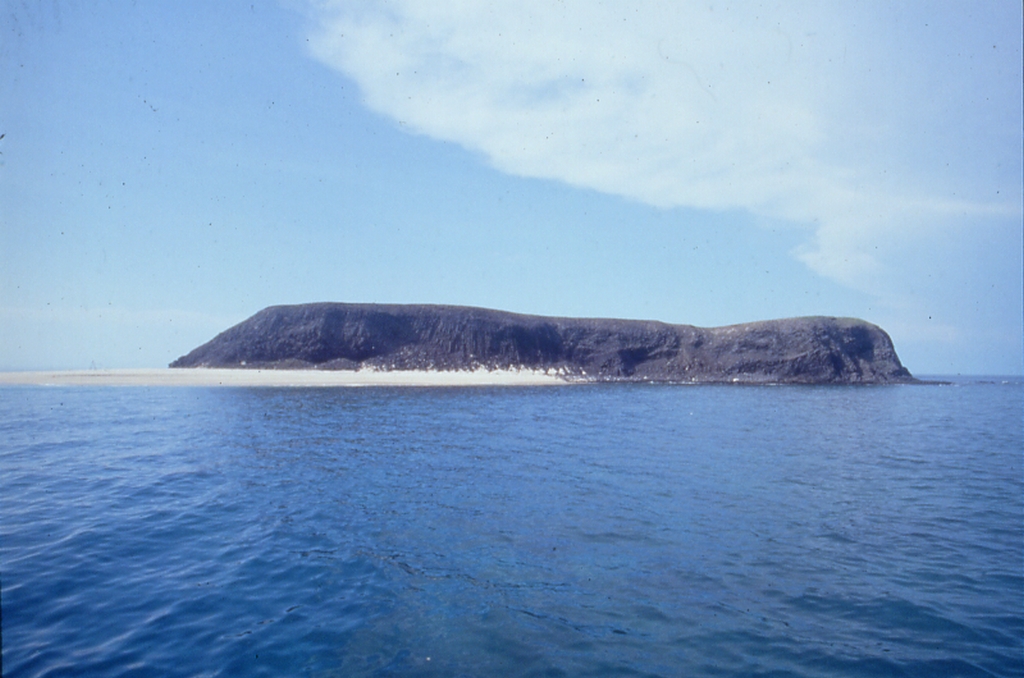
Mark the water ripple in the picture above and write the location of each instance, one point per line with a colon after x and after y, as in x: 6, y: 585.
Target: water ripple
x: 617, y: 530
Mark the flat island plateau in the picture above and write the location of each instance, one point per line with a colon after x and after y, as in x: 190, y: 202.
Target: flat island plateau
x: 392, y: 337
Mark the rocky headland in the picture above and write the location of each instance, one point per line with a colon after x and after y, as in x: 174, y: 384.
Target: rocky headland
x: 332, y: 336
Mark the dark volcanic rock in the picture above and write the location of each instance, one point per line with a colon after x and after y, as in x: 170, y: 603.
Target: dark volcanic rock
x: 815, y: 350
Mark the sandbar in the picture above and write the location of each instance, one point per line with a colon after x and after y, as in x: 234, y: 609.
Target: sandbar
x: 281, y: 378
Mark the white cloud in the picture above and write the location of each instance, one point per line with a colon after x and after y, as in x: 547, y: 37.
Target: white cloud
x: 638, y: 103
x: 838, y: 119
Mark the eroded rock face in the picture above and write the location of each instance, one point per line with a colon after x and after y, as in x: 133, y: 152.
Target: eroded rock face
x: 815, y: 350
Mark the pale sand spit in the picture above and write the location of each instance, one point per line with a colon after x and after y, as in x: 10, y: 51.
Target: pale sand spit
x: 295, y: 378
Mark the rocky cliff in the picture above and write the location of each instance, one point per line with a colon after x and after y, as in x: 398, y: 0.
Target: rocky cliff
x: 815, y: 350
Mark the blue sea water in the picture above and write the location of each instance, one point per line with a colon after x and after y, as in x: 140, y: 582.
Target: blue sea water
x: 612, y: 530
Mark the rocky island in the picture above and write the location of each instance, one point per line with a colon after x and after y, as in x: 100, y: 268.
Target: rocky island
x: 335, y: 336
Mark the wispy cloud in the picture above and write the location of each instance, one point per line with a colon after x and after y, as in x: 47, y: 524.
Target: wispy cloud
x: 836, y: 119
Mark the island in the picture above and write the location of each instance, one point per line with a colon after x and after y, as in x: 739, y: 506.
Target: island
x: 423, y: 337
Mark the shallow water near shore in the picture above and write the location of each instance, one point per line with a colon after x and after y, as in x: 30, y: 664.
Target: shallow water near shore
x: 601, y: 530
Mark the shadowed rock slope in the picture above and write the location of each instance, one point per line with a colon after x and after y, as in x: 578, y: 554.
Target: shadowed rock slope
x: 815, y: 350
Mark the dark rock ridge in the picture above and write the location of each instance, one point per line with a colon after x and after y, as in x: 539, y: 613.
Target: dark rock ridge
x: 814, y: 350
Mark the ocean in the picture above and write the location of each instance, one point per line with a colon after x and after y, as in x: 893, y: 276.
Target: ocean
x: 591, y: 530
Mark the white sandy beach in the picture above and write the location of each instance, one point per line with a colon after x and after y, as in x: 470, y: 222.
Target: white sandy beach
x: 255, y: 377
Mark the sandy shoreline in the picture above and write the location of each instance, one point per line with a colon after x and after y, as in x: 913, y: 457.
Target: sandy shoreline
x: 281, y: 378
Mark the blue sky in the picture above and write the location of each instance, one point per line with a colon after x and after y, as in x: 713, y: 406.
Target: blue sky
x: 169, y: 169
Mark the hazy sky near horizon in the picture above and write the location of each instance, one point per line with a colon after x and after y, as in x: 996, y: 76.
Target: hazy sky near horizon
x: 168, y: 169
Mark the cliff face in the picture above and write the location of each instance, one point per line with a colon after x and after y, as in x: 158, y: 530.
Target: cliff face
x: 417, y: 337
